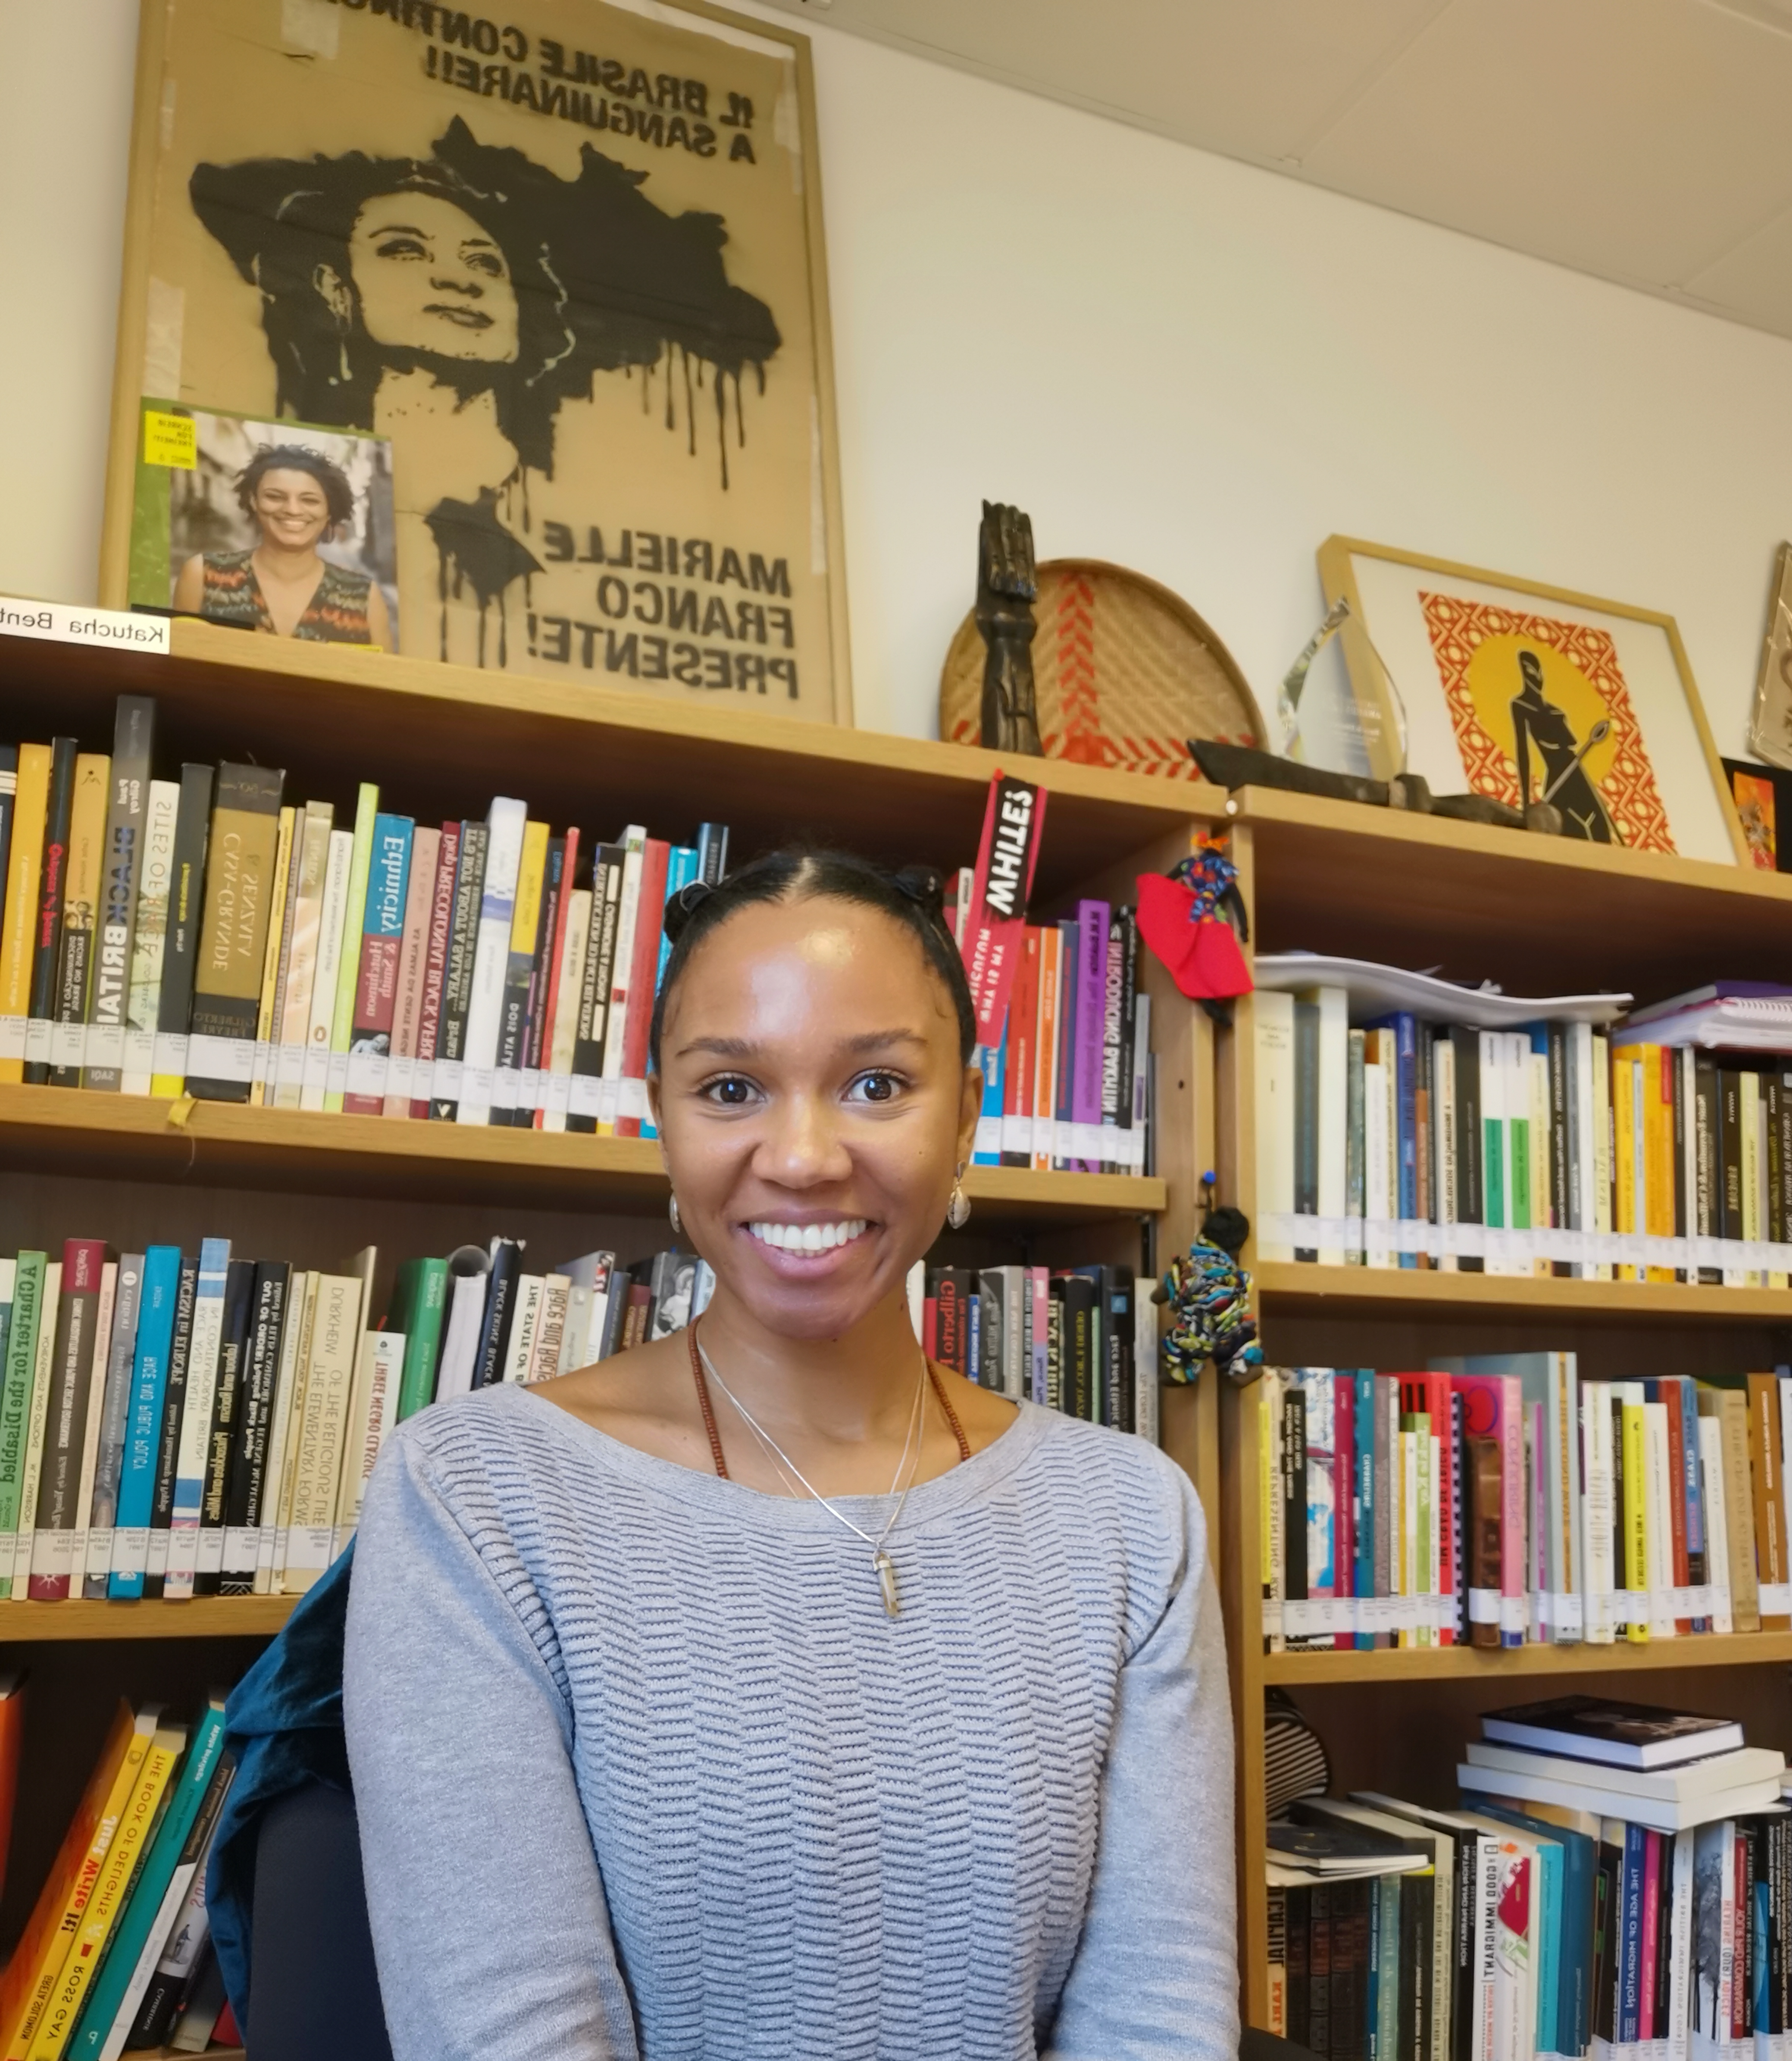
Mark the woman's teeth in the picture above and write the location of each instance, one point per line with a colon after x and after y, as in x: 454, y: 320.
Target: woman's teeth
x: 810, y: 1237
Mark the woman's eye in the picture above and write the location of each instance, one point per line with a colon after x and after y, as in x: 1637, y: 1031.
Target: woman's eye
x: 400, y: 246
x: 484, y: 261
x: 876, y: 1087
x: 729, y: 1092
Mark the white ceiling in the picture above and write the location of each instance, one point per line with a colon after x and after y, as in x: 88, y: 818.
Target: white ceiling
x: 1648, y: 142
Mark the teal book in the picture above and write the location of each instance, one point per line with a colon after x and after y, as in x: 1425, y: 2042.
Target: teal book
x: 1548, y: 1839
x: 149, y: 1385
x: 1580, y: 1865
x: 136, y: 1939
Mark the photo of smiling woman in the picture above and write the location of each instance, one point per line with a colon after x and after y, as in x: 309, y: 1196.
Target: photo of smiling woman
x: 768, y: 1690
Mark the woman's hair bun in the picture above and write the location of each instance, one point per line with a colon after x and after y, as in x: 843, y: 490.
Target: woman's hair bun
x: 681, y: 908
x: 921, y: 884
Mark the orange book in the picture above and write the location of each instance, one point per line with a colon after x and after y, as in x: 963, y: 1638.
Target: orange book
x: 1044, y: 1067
x: 17, y: 924
x: 1769, y: 1501
x: 1019, y: 1065
x: 43, y: 1946
x: 1656, y: 1063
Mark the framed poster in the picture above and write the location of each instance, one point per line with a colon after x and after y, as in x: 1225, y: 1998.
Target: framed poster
x: 1770, y: 720
x: 1498, y: 687
x: 565, y: 264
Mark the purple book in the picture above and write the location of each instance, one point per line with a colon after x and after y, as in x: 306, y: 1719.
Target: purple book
x: 1086, y: 1092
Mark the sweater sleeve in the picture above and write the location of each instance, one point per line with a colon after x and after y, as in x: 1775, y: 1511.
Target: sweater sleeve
x: 1155, y: 1975
x: 489, y: 1922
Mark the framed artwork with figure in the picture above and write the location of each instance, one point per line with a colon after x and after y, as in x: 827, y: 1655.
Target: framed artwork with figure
x: 564, y: 264
x: 1525, y: 693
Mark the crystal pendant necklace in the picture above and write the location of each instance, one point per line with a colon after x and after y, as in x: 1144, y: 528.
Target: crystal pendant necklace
x: 881, y: 1565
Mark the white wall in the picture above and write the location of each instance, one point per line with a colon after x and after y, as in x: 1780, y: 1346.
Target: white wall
x: 1179, y: 363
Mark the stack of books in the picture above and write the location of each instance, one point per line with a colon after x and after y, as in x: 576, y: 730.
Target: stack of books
x: 1419, y: 1137
x: 1615, y: 1881
x: 1505, y: 1499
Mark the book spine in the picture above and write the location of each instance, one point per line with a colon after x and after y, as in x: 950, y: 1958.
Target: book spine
x: 120, y: 867
x: 622, y: 1000
x: 18, y: 919
x: 432, y: 1010
x: 376, y: 987
x: 102, y: 1510
x: 292, y: 1028
x: 180, y: 949
x: 52, y: 1561
x: 290, y: 1421
x: 16, y: 1381
x: 378, y: 1369
x: 329, y: 1386
x: 584, y: 1095
x: 522, y: 939
x: 271, y: 1059
x: 649, y: 924
x: 233, y: 943
x: 204, y: 1346
x: 42, y: 1380
x: 47, y: 936
x: 504, y: 823
x: 413, y: 954
x: 336, y: 937
x: 348, y: 963
x: 559, y: 1021
x: 168, y: 1444
x: 81, y: 894
x: 249, y: 1456
x: 1086, y: 1092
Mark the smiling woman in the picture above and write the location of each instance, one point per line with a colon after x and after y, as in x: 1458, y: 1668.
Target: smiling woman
x: 810, y: 1700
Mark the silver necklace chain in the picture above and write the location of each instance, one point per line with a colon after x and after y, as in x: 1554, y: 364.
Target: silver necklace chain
x: 881, y: 1565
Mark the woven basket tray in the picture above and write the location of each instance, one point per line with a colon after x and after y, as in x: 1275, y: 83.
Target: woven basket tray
x: 1125, y: 671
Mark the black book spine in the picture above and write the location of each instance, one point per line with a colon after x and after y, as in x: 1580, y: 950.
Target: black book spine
x: 1467, y: 1044
x: 1300, y: 1934
x: 46, y: 942
x: 1118, y: 1396
x: 186, y: 882
x: 1417, y: 1903
x: 168, y: 1447
x: 226, y: 1409
x: 1349, y: 1937
x: 1618, y: 1561
x: 1307, y: 1117
x: 9, y: 804
x: 1054, y: 1346
x: 600, y: 960
x: 1319, y: 1970
x: 457, y: 980
x: 1079, y: 1347
x: 1605, y: 1965
x: 501, y: 1304
x: 243, y: 1504
x: 1774, y: 1227
x: 1294, y: 1494
x: 1128, y: 923
x: 712, y: 853
x: 1461, y: 1988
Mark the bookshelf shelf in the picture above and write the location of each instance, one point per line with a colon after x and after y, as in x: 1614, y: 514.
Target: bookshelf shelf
x: 203, y: 1617
x: 70, y: 1130
x: 1460, y: 1662
x: 1366, y: 1291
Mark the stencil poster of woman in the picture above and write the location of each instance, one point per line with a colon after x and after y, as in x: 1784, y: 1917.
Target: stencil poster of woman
x: 566, y: 262
x: 1539, y: 725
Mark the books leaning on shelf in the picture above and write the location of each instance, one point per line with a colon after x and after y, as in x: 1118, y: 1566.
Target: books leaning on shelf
x: 1506, y: 1500
x: 212, y: 936
x: 177, y: 1424
x: 1543, y: 1915
x: 1561, y: 1149
x: 116, y: 1953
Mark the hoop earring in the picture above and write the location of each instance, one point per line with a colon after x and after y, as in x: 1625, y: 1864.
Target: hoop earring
x: 672, y: 1211
x: 958, y: 1209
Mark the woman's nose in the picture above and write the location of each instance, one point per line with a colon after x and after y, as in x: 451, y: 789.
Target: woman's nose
x: 464, y: 283
x: 802, y: 1144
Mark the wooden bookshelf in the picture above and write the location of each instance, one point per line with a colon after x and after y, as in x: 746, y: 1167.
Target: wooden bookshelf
x: 201, y: 1617
x: 1540, y: 916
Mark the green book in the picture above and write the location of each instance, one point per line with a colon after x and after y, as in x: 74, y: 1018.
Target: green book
x: 163, y: 1878
x: 419, y: 1307
x: 16, y: 1369
x: 348, y: 970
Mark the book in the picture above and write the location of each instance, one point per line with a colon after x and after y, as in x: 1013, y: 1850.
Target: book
x: 83, y: 876
x: 120, y: 867
x: 564, y: 1006
x: 180, y: 950
x: 376, y: 987
x: 106, y: 1442
x: 510, y: 1035
x: 341, y: 999
x: 308, y: 873
x: 609, y: 868
x: 621, y: 999
x: 637, y: 1014
x: 506, y: 822
x: 149, y: 936
x: 244, y: 1486
x: 52, y: 882
x: 18, y: 914
x: 232, y: 936
x: 457, y: 968
x: 329, y: 1381
x: 435, y: 972
x: 171, y: 1428
x: 372, y: 1403
x: 224, y: 1430
x: 419, y: 1312
x: 1662, y: 1814
x: 414, y: 957
x: 1620, y: 1734
x: 194, y: 1454
x: 76, y: 1340
x: 272, y: 1058
x: 148, y: 1382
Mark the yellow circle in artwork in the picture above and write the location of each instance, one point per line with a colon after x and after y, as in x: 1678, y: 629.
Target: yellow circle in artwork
x: 1494, y: 682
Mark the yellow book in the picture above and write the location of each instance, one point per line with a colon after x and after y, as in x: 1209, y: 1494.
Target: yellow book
x: 1624, y: 1154
x: 1754, y: 1168
x: 30, y: 1979
x: 129, y: 1844
x: 18, y: 925
x: 270, y: 963
x: 1636, y: 1518
x: 1658, y: 1122
x: 81, y: 892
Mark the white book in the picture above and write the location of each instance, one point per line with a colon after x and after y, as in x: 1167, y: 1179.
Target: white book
x: 372, y: 1409
x: 1660, y: 1487
x: 1598, y: 1516
x: 307, y: 1309
x: 1447, y: 1145
x: 1273, y: 1024
x: 44, y: 1353
x: 1744, y: 1766
x: 1717, y: 1522
x: 504, y: 825
x: 1680, y: 1947
x: 519, y: 1354
x: 328, y: 1389
x: 550, y: 1330
x: 1378, y: 1200
x: 196, y: 1410
x: 1145, y: 1395
x: 556, y: 1088
x: 1333, y: 1005
x: 149, y: 936
x: 1515, y: 1954
x: 98, y: 1369
x: 120, y: 1364
x: 280, y: 1420
x: 333, y: 915
x: 460, y: 1340
x: 628, y: 910
x: 1659, y: 1816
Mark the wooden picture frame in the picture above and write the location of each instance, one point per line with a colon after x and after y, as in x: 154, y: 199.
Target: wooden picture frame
x: 1477, y: 680
x: 1771, y: 718
x: 614, y: 429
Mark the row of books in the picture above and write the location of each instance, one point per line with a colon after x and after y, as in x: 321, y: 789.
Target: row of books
x: 116, y: 1954
x: 1069, y: 1084
x: 1080, y: 1339
x: 179, y: 1424
x: 206, y: 935
x: 1505, y: 1499
x: 1557, y: 1150
x: 1564, y: 1907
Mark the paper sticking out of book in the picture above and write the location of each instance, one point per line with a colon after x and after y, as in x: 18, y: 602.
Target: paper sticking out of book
x: 1727, y: 1015
x: 1376, y: 990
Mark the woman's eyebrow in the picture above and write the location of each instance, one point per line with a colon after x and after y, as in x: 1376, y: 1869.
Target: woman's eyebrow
x: 749, y: 1048
x: 396, y: 229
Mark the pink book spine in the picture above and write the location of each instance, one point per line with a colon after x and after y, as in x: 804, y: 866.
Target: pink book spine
x: 1344, y: 1465
x: 1652, y: 1843
x: 413, y: 954
x: 435, y: 963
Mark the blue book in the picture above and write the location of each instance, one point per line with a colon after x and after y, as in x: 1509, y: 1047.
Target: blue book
x: 1569, y: 1933
x: 993, y: 1061
x: 973, y: 1359
x: 136, y: 1935
x: 1368, y: 1492
x: 682, y: 868
x: 149, y: 1382
x: 1630, y: 1934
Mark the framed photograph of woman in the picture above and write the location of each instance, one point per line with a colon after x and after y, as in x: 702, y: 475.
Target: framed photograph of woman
x: 276, y: 527
x: 1494, y: 686
x: 567, y: 263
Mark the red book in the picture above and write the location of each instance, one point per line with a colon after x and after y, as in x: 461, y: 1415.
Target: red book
x: 1669, y: 1394
x: 644, y: 973
x: 929, y: 1327
x: 12, y: 1740
x: 426, y: 850
x: 542, y: 1046
x: 1653, y: 1844
x: 1344, y: 1485
x: 435, y: 963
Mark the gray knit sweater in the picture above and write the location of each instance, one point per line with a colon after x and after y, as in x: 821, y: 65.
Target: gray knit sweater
x: 644, y: 1769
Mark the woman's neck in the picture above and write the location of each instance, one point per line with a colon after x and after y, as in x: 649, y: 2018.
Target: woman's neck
x: 847, y: 1389
x: 277, y: 562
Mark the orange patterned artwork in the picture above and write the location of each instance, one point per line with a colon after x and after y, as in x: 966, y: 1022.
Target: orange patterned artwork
x: 1540, y: 710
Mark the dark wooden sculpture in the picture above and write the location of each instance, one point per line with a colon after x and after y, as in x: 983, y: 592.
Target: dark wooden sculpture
x: 1006, y: 588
